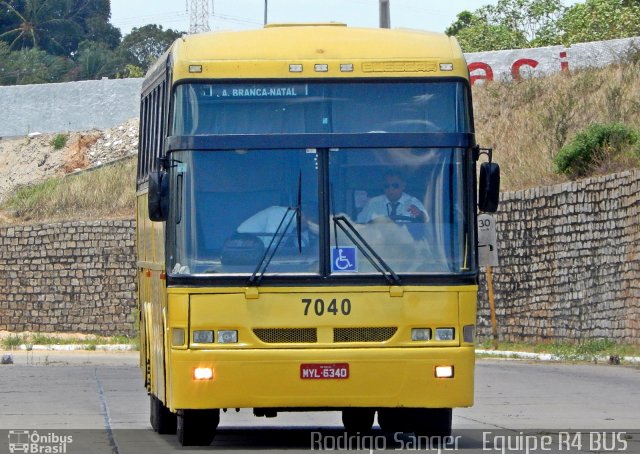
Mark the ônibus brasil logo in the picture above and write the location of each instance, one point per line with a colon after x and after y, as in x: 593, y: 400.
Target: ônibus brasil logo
x: 30, y: 441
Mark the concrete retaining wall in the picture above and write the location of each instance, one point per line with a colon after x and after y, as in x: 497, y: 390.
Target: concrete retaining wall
x: 72, y: 106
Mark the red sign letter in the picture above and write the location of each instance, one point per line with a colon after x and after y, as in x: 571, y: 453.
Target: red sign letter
x: 515, y: 68
x: 564, y: 63
x: 488, y: 72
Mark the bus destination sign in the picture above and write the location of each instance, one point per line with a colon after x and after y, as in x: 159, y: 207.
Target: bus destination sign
x: 259, y: 91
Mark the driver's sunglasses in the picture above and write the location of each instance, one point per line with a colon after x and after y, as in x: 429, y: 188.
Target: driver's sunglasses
x: 391, y: 185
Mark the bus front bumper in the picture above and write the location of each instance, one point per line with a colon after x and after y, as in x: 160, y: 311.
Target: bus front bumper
x: 377, y: 377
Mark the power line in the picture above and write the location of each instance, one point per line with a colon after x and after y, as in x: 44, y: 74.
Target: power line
x: 164, y: 17
x: 237, y: 19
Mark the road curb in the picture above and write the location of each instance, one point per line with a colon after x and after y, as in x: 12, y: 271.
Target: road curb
x: 506, y: 354
x: 73, y: 347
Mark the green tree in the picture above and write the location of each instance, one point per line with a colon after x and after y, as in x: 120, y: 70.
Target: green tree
x: 144, y: 45
x: 32, y: 66
x: 532, y: 18
x: 596, y: 20
x: 99, y: 31
x: 39, y: 24
x: 96, y: 60
x: 510, y: 24
x: 131, y: 71
x: 484, y: 37
x: 93, y: 16
x: 465, y: 19
x: 56, y: 26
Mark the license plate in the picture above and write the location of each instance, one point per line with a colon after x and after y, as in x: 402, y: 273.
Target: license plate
x: 335, y: 371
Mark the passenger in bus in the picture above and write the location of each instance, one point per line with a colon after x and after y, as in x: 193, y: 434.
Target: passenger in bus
x: 394, y: 203
x: 264, y: 224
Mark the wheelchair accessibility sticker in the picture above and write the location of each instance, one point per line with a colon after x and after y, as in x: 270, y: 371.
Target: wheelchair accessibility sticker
x: 344, y: 258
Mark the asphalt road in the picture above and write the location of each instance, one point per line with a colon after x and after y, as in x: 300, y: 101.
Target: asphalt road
x: 98, y: 400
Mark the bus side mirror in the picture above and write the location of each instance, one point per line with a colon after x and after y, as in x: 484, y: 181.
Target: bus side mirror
x: 489, y: 190
x: 158, y: 196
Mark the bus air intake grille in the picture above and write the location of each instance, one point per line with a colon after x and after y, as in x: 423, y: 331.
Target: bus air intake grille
x: 287, y: 335
x: 373, y: 334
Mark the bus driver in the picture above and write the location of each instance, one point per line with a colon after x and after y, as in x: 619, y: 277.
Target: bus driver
x: 394, y: 203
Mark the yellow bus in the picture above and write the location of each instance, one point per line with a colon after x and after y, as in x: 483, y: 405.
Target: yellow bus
x: 306, y: 212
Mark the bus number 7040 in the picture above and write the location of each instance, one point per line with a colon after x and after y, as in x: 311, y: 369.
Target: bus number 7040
x: 320, y: 309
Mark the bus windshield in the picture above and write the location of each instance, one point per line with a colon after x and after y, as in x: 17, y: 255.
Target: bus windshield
x: 320, y: 211
x: 231, y: 209
x: 320, y: 107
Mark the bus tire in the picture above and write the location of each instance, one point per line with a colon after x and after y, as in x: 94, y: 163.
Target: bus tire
x: 421, y: 421
x: 357, y: 420
x: 432, y: 422
x: 197, y: 427
x: 162, y: 420
x: 391, y: 419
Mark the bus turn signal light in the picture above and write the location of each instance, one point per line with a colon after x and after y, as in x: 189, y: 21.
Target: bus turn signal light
x: 203, y: 373
x: 177, y: 338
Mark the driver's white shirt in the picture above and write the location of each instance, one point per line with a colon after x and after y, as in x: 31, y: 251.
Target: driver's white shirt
x: 265, y: 223
x: 380, y: 206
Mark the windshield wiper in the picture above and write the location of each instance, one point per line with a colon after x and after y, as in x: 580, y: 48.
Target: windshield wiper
x: 299, y: 213
x: 272, y: 248
x: 366, y: 249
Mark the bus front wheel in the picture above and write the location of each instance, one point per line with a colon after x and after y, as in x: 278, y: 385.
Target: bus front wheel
x: 357, y: 420
x: 197, y: 427
x: 162, y: 420
x: 421, y: 421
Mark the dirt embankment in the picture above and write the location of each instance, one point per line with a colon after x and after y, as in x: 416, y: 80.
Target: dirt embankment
x: 30, y: 160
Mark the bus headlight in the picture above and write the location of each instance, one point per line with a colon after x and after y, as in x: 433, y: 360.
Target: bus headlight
x: 445, y: 334
x: 227, y: 336
x: 203, y: 373
x: 420, y: 334
x: 203, y: 337
x: 444, y: 371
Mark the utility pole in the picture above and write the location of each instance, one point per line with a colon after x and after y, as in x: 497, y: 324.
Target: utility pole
x: 385, y: 15
x: 266, y: 8
x: 199, y: 17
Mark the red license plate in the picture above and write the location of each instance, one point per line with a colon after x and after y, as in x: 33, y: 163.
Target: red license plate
x: 335, y: 371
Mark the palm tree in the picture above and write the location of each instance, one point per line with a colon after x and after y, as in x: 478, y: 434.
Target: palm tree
x: 41, y: 24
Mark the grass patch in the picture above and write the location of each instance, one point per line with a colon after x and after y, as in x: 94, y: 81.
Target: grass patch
x: 582, y: 351
x: 527, y: 123
x: 593, y: 146
x: 590, y: 350
x: 13, y: 341
x: 59, y: 141
x: 91, y: 342
x: 104, y: 193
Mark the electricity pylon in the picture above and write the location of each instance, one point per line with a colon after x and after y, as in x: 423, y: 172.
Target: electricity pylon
x: 199, y: 16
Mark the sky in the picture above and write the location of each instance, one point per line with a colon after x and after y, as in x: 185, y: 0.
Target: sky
x: 431, y: 15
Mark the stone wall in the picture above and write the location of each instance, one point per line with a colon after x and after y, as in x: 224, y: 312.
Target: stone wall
x: 71, y: 277
x: 569, y: 262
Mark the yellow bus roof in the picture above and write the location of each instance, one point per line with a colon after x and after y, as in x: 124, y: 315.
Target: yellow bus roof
x: 270, y: 51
